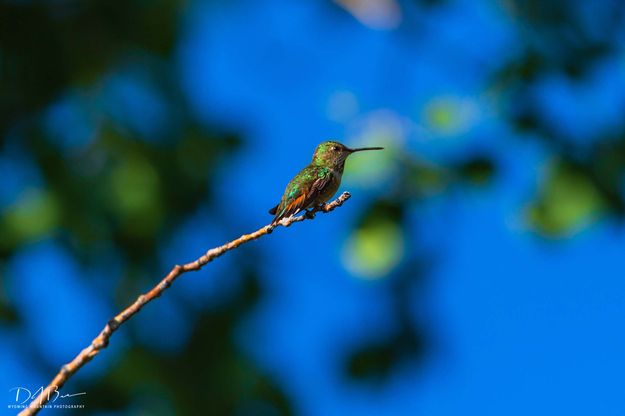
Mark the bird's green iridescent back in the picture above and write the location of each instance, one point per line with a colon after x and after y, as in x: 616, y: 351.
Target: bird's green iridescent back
x: 312, y: 186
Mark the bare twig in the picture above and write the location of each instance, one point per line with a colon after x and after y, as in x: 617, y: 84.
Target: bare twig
x: 101, y: 341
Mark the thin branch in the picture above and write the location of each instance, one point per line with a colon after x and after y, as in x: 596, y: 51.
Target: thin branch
x: 101, y: 341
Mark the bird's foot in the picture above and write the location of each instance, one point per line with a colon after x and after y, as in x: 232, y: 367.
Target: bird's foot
x: 309, y: 214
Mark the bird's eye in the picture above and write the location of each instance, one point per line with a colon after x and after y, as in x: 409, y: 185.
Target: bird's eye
x: 335, y: 148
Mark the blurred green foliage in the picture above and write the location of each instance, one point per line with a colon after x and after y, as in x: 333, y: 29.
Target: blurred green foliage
x: 567, y: 201
x: 210, y: 373
x: 375, y: 249
x: 121, y: 191
x: 581, y: 183
x: 49, y: 46
x: 584, y: 180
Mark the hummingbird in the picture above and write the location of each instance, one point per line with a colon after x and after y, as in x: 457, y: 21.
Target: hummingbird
x: 314, y: 185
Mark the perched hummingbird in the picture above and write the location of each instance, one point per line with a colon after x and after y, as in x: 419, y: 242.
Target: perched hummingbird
x: 316, y: 183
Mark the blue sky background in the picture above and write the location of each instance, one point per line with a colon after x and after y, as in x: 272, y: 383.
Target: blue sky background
x: 518, y: 323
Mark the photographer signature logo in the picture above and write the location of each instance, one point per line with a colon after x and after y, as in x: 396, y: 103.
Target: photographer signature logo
x: 25, y: 396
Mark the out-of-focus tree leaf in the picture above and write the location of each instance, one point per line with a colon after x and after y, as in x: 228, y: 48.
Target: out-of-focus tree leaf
x: 567, y: 202
x: 374, y: 249
x: 478, y: 170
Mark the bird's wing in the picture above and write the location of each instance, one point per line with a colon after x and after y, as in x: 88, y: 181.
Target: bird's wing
x: 298, y: 196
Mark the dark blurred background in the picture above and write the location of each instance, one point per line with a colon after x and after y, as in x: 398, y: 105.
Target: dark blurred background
x: 477, y: 268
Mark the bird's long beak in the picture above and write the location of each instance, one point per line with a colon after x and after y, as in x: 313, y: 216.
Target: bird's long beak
x: 360, y: 149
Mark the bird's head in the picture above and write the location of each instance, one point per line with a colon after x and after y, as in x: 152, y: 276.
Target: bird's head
x: 333, y: 154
